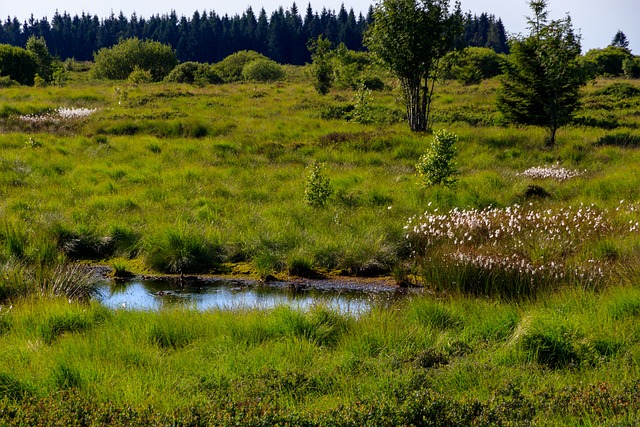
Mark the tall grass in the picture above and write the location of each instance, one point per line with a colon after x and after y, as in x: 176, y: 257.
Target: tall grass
x: 124, y: 180
x: 568, y: 356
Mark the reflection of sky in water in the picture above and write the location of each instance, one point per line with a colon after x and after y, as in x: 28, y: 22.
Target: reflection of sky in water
x: 155, y: 295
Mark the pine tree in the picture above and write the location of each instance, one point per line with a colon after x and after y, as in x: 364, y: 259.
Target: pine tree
x: 542, y: 78
x: 620, y: 40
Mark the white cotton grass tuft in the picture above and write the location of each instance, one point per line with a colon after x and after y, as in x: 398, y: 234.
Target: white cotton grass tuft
x: 556, y: 172
x: 61, y: 113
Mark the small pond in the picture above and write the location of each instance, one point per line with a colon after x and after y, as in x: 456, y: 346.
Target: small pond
x: 228, y: 294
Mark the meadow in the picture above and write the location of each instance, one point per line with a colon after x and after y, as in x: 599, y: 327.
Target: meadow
x: 529, y: 265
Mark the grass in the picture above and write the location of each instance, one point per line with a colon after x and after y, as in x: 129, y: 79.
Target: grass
x: 570, y: 357
x: 233, y: 166
x: 533, y: 320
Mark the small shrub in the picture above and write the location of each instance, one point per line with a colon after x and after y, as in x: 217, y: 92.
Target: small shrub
x: 6, y: 81
x: 193, y: 73
x: 230, y: 68
x: 373, y: 83
x: 436, y: 166
x: 138, y: 76
x: 362, y: 111
x: 337, y: 112
x: 119, y: 61
x: 263, y: 70
x: 631, y: 67
x: 318, y: 188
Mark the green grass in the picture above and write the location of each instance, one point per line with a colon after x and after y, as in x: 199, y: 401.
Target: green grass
x: 233, y: 165
x: 182, y: 179
x: 553, y: 362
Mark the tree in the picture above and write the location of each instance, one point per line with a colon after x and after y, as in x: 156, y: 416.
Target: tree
x: 321, y: 69
x: 620, y: 40
x: 38, y: 47
x: 410, y: 37
x: 18, y: 64
x: 118, y: 62
x: 542, y: 76
x: 436, y: 166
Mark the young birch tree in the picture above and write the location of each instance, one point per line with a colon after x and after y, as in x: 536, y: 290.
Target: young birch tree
x: 410, y: 37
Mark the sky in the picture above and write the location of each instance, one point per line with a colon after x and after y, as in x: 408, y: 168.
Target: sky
x: 596, y: 20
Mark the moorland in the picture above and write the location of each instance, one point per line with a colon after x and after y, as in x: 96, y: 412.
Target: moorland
x: 530, y: 264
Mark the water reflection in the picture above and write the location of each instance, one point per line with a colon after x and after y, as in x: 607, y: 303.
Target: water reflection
x: 231, y: 294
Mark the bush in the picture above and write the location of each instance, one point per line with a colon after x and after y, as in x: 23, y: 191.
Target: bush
x: 18, y: 64
x: 230, y: 68
x: 262, y: 70
x: 631, y: 67
x: 607, y: 61
x: 119, y: 61
x: 474, y: 64
x: 6, y: 81
x: 139, y: 75
x: 436, y: 166
x: 318, y: 189
x: 193, y: 73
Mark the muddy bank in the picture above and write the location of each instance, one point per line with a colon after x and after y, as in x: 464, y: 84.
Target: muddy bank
x: 328, y: 284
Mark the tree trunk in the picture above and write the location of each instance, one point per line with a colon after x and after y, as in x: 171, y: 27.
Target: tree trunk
x: 416, y: 99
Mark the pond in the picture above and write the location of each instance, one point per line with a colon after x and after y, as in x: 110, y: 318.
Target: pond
x: 230, y: 294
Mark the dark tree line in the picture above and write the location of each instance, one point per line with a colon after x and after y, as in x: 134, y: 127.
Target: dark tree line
x: 208, y: 37
x: 485, y: 31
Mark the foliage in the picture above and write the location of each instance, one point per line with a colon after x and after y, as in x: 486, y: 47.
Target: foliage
x: 542, y: 77
x: 6, y: 81
x: 44, y: 60
x: 318, y: 187
x: 119, y: 61
x: 436, y: 166
x: 263, y: 70
x: 230, y: 68
x: 139, y: 76
x: 607, y: 61
x: 193, y: 73
x: 17, y: 64
x: 410, y: 37
x: 362, y: 109
x: 485, y: 31
x: 620, y: 40
x: 351, y: 69
x: 321, y: 68
x: 474, y: 64
x: 631, y: 67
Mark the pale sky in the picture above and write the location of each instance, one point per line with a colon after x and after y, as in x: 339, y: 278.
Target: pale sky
x: 596, y: 20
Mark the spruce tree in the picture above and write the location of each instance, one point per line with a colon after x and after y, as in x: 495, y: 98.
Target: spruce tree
x: 542, y: 77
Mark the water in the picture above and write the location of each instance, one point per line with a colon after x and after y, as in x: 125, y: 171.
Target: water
x: 223, y: 294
